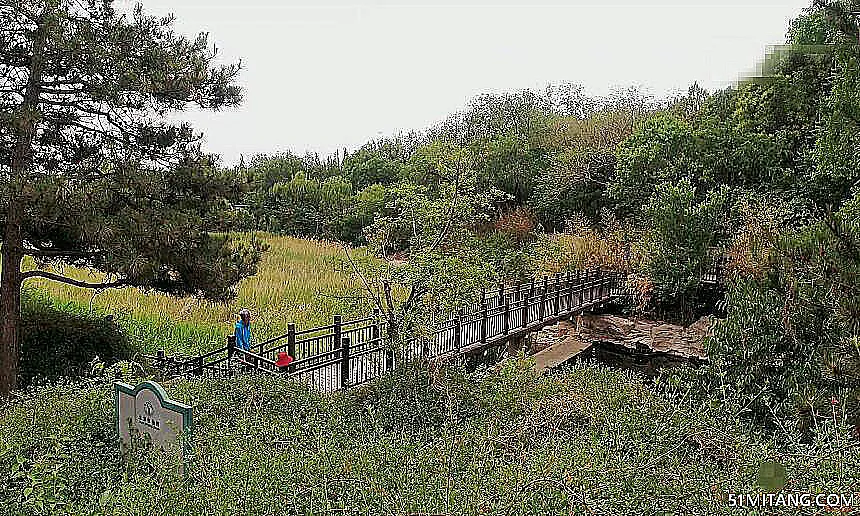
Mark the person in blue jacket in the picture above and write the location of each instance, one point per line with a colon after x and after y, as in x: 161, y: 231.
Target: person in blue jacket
x: 243, y: 330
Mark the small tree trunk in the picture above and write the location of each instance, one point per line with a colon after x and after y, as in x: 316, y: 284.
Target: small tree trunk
x: 10, y: 300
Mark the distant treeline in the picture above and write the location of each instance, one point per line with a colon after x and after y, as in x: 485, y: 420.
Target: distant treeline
x: 548, y: 152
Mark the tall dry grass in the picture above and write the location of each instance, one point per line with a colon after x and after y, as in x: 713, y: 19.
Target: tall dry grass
x: 300, y: 281
x: 583, y: 246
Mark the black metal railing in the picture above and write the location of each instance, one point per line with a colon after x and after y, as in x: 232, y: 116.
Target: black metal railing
x: 349, y: 353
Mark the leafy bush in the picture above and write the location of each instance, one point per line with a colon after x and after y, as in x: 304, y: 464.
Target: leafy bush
x: 662, y: 150
x: 790, y: 344
x: 506, y: 255
x: 680, y: 232
x: 516, y: 443
x: 59, y: 343
x: 377, y: 162
x: 413, y: 401
x: 364, y: 207
x: 309, y: 206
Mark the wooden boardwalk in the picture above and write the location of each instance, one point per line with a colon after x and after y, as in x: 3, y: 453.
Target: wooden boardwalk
x: 349, y: 353
x: 559, y: 353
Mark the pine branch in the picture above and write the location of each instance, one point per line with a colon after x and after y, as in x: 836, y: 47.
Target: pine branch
x: 71, y: 281
x: 38, y: 252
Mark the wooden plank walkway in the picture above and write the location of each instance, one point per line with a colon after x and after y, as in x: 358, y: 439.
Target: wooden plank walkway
x: 559, y: 353
x: 349, y: 353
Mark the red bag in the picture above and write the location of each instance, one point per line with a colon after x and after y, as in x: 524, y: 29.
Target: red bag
x: 283, y: 359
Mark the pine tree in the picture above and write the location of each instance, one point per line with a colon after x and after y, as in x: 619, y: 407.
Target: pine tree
x: 93, y: 173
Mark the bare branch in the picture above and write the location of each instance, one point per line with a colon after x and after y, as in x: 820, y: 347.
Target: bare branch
x: 451, y: 210
x: 38, y: 252
x: 376, y: 300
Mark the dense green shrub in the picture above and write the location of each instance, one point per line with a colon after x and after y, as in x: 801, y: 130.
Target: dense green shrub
x: 789, y: 347
x: 60, y: 343
x: 680, y: 233
x: 508, y: 256
x: 376, y: 162
x: 516, y: 443
x: 362, y: 210
x: 412, y: 401
x: 663, y: 150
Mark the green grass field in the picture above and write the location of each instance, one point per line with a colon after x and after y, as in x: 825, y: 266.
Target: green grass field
x: 300, y: 281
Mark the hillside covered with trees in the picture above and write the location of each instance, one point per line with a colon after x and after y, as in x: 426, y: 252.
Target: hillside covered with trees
x: 101, y: 193
x: 763, y: 174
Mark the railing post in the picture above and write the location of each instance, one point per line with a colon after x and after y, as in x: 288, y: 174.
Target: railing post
x: 601, y: 285
x: 525, y: 307
x: 198, y: 366
x: 607, y: 284
x: 376, y: 329
x: 484, y: 320
x: 231, y: 345
x: 291, y: 345
x: 542, y: 311
x: 344, y: 362
x: 457, y: 335
x: 587, y: 282
x: 483, y: 299
x: 260, y: 346
x: 569, y: 293
x: 501, y: 294
x: 507, y: 319
x: 531, y: 294
x: 338, y: 331
x: 557, y: 293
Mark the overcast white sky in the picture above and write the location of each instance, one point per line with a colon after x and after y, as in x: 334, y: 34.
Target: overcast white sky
x: 320, y: 76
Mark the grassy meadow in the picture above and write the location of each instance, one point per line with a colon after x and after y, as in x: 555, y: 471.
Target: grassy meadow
x: 300, y: 281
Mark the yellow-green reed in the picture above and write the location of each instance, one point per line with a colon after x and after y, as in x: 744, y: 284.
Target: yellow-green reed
x: 297, y: 281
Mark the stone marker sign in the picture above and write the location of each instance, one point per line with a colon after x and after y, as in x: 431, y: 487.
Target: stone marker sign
x: 147, y: 409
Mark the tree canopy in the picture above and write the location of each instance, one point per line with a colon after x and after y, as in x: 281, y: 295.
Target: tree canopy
x: 93, y: 173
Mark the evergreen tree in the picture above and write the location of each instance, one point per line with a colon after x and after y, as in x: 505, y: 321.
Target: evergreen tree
x: 93, y: 174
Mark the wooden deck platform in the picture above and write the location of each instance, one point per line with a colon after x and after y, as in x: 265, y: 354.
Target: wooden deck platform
x: 559, y: 353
